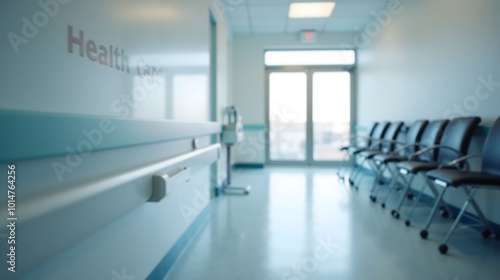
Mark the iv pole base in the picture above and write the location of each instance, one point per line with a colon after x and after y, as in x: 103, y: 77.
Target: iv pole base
x: 237, y: 190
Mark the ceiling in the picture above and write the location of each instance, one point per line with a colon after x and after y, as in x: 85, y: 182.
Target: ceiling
x: 271, y: 16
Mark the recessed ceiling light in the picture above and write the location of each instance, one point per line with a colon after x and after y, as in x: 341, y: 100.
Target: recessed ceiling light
x: 311, y: 10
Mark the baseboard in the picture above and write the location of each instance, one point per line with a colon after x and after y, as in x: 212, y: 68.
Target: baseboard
x: 467, y: 219
x: 218, y: 189
x: 162, y: 269
x: 248, y: 165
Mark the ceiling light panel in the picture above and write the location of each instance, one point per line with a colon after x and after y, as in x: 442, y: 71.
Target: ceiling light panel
x: 311, y: 10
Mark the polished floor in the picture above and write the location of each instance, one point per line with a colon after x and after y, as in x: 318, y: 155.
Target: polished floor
x: 301, y: 223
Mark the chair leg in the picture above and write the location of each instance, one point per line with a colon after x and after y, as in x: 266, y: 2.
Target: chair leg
x: 357, y: 173
x: 391, y: 187
x: 446, y: 212
x: 395, y: 213
x: 341, y: 172
x: 424, y: 233
x: 372, y: 166
x: 414, y: 205
x: 375, y: 186
x: 443, y: 248
x: 353, y: 174
x: 480, y: 213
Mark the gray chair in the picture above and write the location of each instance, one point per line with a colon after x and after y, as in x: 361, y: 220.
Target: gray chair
x: 385, y: 145
x: 401, y: 152
x: 378, y: 134
x: 431, y: 136
x: 469, y: 181
x: 454, y: 144
x: 355, y: 142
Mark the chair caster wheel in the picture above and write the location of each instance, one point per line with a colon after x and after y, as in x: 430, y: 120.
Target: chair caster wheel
x: 486, y: 233
x: 443, y: 248
x: 395, y: 214
x: 410, y: 196
x: 381, y: 182
x: 351, y: 182
x: 357, y: 188
x: 444, y: 213
x: 373, y: 198
x: 383, y: 205
x: 424, y: 234
x: 408, y: 223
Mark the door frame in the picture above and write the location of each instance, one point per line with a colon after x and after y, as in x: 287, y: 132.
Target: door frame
x: 309, y: 70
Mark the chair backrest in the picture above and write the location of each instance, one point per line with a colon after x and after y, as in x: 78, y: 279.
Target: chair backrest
x: 414, y: 134
x: 491, y: 151
x: 391, y: 134
x: 379, y: 132
x: 370, y: 134
x: 432, y: 136
x: 457, y: 135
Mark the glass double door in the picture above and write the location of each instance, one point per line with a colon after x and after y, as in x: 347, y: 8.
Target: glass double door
x: 309, y: 115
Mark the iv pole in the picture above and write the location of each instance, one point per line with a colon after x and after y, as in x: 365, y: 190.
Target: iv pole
x: 232, y: 134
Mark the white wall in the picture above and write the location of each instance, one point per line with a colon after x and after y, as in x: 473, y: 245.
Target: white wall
x: 249, y: 81
x: 43, y: 75
x: 172, y: 35
x: 429, y: 62
x: 429, y: 59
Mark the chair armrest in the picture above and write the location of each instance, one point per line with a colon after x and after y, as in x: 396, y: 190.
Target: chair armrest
x: 353, y: 137
x: 406, y: 146
x: 435, y: 147
x: 463, y: 159
x: 382, y: 141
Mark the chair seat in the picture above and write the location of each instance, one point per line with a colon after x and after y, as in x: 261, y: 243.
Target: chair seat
x: 417, y: 166
x: 384, y: 158
x: 368, y: 154
x: 458, y: 178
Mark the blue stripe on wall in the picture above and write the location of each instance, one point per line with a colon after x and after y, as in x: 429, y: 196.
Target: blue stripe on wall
x: 35, y: 134
x: 254, y: 127
x: 248, y: 165
x: 480, y: 130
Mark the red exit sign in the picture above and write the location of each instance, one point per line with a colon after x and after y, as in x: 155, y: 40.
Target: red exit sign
x: 308, y: 36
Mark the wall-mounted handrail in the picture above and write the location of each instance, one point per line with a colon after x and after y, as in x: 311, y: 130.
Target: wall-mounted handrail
x: 53, y: 222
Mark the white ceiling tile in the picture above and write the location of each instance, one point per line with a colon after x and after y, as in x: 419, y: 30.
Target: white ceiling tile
x: 239, y: 23
x: 240, y: 30
x: 357, y: 9
x: 346, y: 24
x: 316, y: 24
x: 265, y: 2
x: 290, y: 29
x: 271, y: 16
x: 277, y: 11
x: 269, y: 23
x: 268, y: 30
x: 237, y: 12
